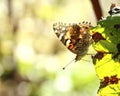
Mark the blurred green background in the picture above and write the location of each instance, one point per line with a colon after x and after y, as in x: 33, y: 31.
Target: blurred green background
x: 32, y: 57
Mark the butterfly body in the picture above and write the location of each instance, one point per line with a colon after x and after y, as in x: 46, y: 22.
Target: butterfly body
x: 75, y: 37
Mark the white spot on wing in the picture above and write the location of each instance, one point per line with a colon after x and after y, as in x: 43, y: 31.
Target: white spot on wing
x: 68, y: 43
x: 61, y: 35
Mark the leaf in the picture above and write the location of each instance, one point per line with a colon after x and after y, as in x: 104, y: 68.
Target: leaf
x: 106, y: 41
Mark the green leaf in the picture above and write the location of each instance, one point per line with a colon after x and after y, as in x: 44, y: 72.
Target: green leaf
x: 106, y: 41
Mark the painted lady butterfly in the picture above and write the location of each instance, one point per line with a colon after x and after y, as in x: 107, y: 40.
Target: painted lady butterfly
x: 114, y: 9
x: 75, y: 37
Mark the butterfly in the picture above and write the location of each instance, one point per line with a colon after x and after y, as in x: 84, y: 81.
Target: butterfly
x: 114, y: 9
x: 75, y: 37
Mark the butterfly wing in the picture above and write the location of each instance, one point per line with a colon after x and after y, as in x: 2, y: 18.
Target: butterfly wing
x: 60, y: 30
x: 75, y: 37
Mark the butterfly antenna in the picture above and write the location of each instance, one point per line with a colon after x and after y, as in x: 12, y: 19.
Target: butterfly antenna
x: 68, y: 64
